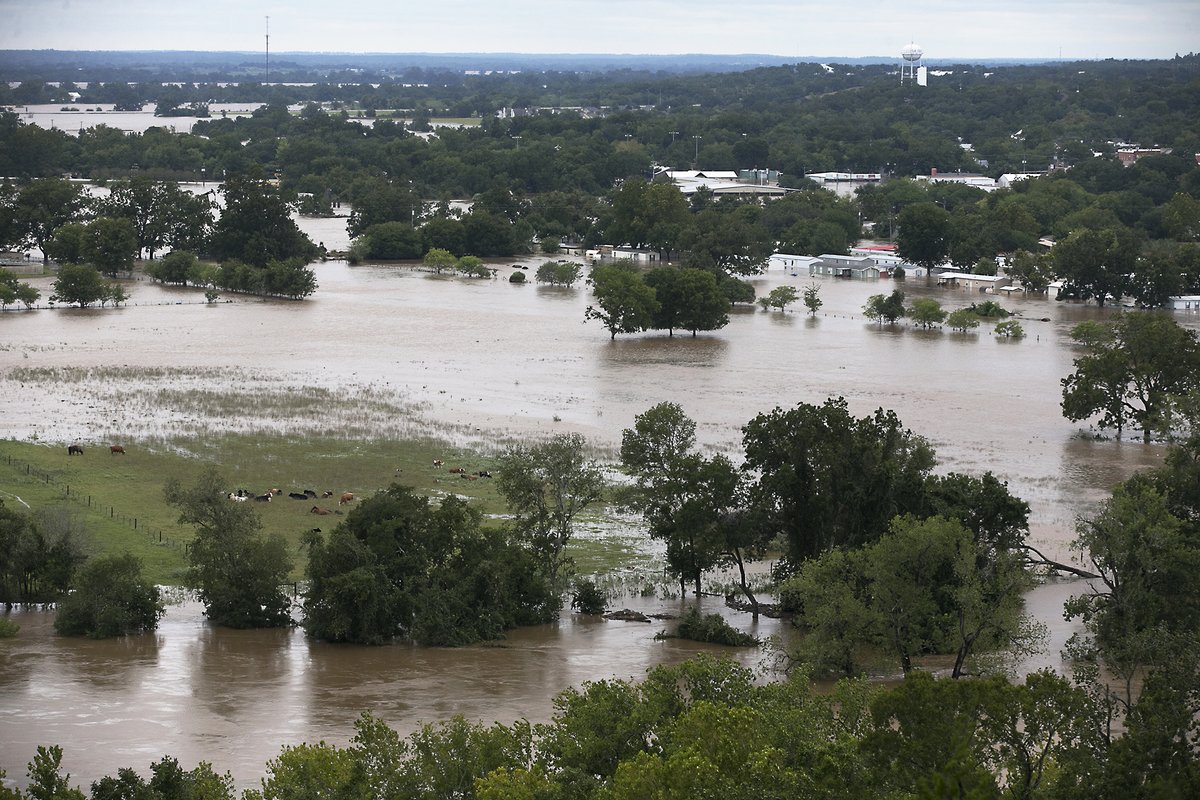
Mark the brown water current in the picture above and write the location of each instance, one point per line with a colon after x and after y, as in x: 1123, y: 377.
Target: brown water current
x: 397, y: 351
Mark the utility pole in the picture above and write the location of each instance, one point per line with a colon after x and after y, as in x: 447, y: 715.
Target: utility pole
x: 268, y: 32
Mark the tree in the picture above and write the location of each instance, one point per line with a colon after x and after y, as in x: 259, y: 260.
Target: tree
x: 546, y: 487
x: 687, y: 298
x: 880, y: 308
x: 926, y: 312
x: 1135, y: 368
x: 1148, y: 564
x: 924, y: 237
x: 178, y: 266
x: 162, y: 214
x: 812, y: 298
x: 780, y: 297
x: 393, y: 240
x: 921, y: 589
x: 37, y: 558
x: 46, y: 781
x: 400, y: 567
x: 66, y: 246
x: 110, y: 245
x: 256, y: 226
x: 826, y: 479
x: 42, y: 206
x: 238, y: 573
x: 962, y: 320
x: 560, y: 273
x: 1009, y: 329
x: 80, y: 284
x: 13, y: 290
x: 1032, y: 271
x: 111, y: 598
x: 440, y: 259
x: 624, y: 303
x: 686, y: 499
x: 1096, y: 263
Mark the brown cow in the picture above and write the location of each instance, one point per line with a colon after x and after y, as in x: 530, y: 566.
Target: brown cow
x: 318, y: 510
x: 74, y: 450
x: 347, y: 497
x: 116, y: 448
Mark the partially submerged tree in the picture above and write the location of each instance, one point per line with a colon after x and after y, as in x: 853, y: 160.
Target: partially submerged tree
x: 1135, y: 369
x: 546, y: 487
x: 110, y: 598
x: 239, y: 574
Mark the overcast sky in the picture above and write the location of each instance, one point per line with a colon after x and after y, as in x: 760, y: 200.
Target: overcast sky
x: 967, y: 28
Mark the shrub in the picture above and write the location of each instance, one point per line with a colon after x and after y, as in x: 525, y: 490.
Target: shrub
x: 8, y: 628
x: 713, y: 629
x: 517, y: 277
x: 588, y: 598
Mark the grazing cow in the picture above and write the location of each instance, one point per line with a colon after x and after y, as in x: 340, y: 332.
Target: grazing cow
x: 483, y: 473
x: 298, y: 496
x: 310, y: 494
x: 327, y: 493
x: 264, y: 498
x: 318, y: 510
x: 437, y: 462
x: 116, y: 448
x: 457, y: 470
x: 237, y: 497
x: 347, y: 497
x: 74, y: 450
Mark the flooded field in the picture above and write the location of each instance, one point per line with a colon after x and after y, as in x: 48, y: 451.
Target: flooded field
x: 390, y: 351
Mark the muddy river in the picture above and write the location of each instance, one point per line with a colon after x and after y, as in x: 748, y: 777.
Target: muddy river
x: 480, y: 362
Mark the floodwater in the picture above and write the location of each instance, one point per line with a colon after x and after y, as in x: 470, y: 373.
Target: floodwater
x: 481, y: 362
x: 51, y: 116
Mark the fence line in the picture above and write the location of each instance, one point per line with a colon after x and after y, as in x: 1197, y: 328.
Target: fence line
x: 155, y: 535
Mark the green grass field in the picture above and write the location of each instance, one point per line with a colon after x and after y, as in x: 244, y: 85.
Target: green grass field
x: 119, y: 499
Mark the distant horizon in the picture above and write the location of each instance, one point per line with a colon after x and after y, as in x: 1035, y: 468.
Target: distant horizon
x: 1068, y: 30
x: 513, y: 54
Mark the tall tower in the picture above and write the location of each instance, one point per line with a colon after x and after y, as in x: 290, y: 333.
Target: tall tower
x: 911, y: 68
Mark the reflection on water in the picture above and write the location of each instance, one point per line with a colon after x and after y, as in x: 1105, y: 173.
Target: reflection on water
x: 481, y: 361
x: 235, y: 697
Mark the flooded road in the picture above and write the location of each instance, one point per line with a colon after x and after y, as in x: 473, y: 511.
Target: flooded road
x: 480, y: 362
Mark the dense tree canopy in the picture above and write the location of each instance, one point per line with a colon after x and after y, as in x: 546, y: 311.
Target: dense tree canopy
x: 401, y: 567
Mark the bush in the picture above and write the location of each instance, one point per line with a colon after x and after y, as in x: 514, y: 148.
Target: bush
x: 8, y: 628
x: 713, y: 629
x: 989, y: 309
x: 517, y: 277
x: 588, y: 598
x: 111, y: 598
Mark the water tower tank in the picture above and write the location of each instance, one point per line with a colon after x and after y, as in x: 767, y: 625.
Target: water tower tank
x: 912, y: 52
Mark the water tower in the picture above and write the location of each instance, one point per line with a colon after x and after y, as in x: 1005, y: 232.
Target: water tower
x: 911, y: 64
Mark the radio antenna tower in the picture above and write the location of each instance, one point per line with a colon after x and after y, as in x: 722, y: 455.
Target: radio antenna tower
x: 268, y: 30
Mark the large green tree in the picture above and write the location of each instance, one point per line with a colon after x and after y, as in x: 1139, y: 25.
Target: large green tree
x: 256, y: 226
x: 110, y: 598
x: 623, y: 301
x: 400, y: 567
x: 546, y: 487
x: 1096, y: 264
x: 1135, y: 369
x: 924, y: 236
x: 41, y: 206
x: 239, y: 574
x: 688, y: 299
x: 80, y: 284
x: 826, y: 479
x: 689, y: 501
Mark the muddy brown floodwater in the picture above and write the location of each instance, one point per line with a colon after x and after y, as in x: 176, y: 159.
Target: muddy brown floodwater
x: 480, y: 362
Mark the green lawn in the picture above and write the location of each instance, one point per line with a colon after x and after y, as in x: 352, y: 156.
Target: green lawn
x: 120, y: 501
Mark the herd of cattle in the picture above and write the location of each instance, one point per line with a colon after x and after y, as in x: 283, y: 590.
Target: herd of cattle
x: 242, y: 495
